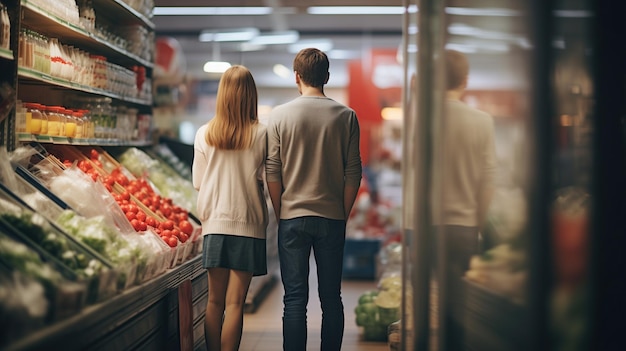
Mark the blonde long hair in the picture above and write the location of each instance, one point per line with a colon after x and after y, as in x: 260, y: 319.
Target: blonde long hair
x: 235, y: 119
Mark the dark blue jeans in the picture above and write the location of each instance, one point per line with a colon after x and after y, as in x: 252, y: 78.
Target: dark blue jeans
x: 296, y: 237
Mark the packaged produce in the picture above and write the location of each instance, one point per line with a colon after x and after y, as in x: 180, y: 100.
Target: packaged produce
x: 35, y: 231
x: 169, y: 182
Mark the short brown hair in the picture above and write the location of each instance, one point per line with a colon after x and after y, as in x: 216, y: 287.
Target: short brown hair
x: 312, y: 66
x: 457, y: 69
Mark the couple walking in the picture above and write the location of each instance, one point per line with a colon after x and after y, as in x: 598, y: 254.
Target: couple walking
x: 309, y: 154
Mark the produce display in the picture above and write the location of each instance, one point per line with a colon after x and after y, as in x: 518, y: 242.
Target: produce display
x: 130, y: 257
x: 501, y: 269
x: 77, y: 262
x: 377, y: 309
x: 53, y: 243
x: 78, y: 231
x: 29, y: 288
x: 166, y: 179
x: 133, y: 204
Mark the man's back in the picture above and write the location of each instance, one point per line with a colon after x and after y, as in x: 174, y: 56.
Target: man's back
x: 313, y: 147
x: 468, y: 157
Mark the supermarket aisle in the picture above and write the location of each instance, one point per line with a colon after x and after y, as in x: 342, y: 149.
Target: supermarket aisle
x: 263, y: 329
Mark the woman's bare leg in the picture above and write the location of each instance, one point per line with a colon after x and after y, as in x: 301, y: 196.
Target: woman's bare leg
x: 238, y: 284
x: 218, y: 283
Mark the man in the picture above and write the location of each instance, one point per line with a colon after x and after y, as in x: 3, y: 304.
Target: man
x: 313, y: 174
x: 464, y: 188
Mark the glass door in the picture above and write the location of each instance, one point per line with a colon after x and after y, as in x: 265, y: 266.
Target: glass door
x: 497, y: 174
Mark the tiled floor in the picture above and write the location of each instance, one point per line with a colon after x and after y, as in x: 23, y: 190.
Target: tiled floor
x: 262, y: 330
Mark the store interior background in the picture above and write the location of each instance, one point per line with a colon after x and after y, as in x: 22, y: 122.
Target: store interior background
x: 372, y: 57
x: 366, y: 69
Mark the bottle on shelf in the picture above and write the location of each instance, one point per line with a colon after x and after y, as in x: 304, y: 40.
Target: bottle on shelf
x: 22, y: 124
x: 34, y: 118
x: 70, y: 123
x: 56, y: 121
x: 80, y: 124
x: 5, y: 28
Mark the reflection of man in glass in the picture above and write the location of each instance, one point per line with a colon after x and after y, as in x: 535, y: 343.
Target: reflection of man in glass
x: 468, y: 164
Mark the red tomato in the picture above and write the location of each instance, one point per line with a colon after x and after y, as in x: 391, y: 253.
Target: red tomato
x: 185, y: 227
x: 146, y: 202
x: 166, y: 232
x: 155, y: 198
x: 151, y: 221
x: 133, y: 208
x: 125, y: 195
x: 143, y: 226
x: 132, y: 188
x: 131, y: 216
x: 135, y: 223
x: 172, y: 241
x: 168, y: 224
x: 94, y: 154
x: 183, y: 237
x: 166, y: 209
x: 141, y: 215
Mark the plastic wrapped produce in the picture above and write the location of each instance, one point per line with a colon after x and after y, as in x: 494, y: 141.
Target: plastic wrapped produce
x: 167, y: 180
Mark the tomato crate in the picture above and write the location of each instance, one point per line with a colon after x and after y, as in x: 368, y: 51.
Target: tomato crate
x: 360, y: 258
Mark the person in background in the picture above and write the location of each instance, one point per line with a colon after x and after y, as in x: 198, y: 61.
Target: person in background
x: 464, y: 189
x: 227, y: 170
x: 313, y: 173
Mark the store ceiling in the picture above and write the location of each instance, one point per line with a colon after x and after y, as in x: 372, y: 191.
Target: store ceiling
x: 493, y: 41
x: 351, y: 35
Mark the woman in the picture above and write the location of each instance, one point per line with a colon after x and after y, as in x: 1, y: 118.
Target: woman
x: 228, y: 166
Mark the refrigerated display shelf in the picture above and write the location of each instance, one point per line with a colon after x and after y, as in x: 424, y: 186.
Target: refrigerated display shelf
x: 6, y: 54
x: 27, y: 137
x: 492, y: 321
x: 39, y: 77
x: 70, y: 33
x: 145, y: 314
x: 128, y: 13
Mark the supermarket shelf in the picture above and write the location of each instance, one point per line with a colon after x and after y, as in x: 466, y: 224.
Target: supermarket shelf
x: 69, y: 33
x: 141, y: 315
x: 27, y: 137
x: 6, y: 54
x: 129, y: 14
x: 46, y: 78
x: 492, y: 320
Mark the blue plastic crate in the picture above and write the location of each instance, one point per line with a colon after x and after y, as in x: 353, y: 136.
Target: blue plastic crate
x: 360, y: 258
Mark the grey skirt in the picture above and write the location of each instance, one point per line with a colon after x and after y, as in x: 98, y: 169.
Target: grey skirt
x: 234, y: 252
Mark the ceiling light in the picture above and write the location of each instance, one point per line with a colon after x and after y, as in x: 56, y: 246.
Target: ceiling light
x: 216, y: 66
x: 343, y: 54
x: 492, y: 12
x: 391, y: 113
x: 247, y: 46
x: 320, y: 44
x: 355, y: 10
x: 278, y: 37
x: 573, y: 13
x: 465, y: 30
x: 468, y: 49
x: 242, y: 34
x: 281, y: 70
x: 211, y: 11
